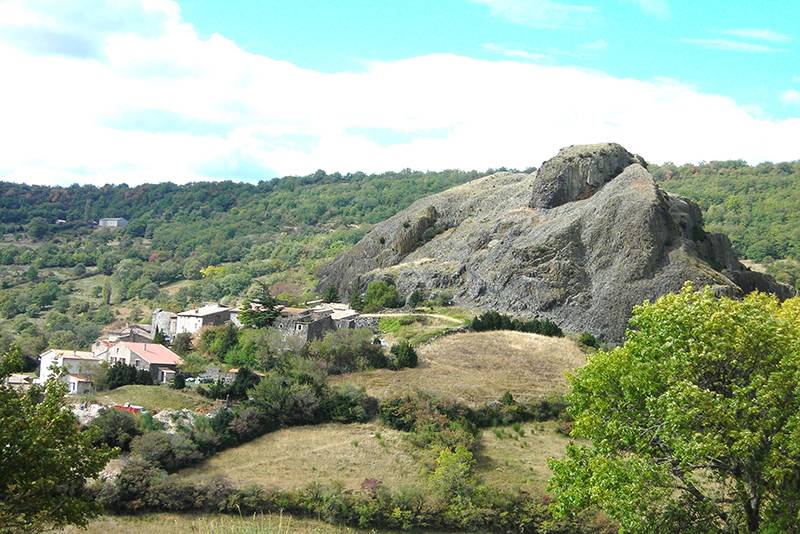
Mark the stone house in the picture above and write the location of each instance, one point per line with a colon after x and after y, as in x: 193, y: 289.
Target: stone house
x: 304, y: 324
x: 158, y: 359
x: 113, y: 222
x: 165, y: 321
x: 79, y: 367
x: 191, y: 321
x: 135, y: 333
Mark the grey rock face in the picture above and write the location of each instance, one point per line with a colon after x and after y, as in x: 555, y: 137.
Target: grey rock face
x: 583, y: 263
x: 577, y: 172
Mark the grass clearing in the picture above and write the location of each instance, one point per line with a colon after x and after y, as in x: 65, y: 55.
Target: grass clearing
x: 154, y: 398
x: 478, y: 367
x: 210, y: 524
x: 294, y: 457
x: 416, y: 329
x: 516, y: 457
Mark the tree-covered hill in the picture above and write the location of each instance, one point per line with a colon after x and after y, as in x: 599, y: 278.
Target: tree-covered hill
x: 758, y: 207
x: 61, y: 276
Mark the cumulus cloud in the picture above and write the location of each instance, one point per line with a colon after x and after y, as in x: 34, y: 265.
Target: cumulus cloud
x: 170, y: 105
x: 790, y: 96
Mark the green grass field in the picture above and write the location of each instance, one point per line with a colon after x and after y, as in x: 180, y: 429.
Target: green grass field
x: 154, y: 398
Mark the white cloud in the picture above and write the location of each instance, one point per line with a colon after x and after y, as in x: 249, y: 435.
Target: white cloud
x: 658, y: 8
x: 599, y: 45
x: 169, y: 105
x: 513, y: 52
x: 728, y: 45
x: 790, y: 96
x: 759, y: 34
x: 541, y: 13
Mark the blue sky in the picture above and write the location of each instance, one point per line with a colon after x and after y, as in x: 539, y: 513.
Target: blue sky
x: 148, y: 90
x: 743, y: 49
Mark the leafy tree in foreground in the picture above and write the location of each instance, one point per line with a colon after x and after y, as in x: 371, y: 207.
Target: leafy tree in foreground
x: 45, y: 460
x: 694, y: 423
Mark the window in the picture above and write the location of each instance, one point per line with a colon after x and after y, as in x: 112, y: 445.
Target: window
x: 73, y: 387
x: 299, y: 327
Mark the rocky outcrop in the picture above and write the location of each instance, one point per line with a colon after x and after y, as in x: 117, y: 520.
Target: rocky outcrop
x: 580, y: 242
x: 577, y: 172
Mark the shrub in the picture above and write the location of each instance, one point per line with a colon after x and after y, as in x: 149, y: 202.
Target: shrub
x: 348, y: 350
x: 114, y: 428
x: 179, y: 382
x: 588, y: 340
x: 168, y: 451
x: 350, y: 404
x: 182, y: 344
x: 381, y: 294
x: 121, y: 374
x: 404, y: 355
x: 492, y: 320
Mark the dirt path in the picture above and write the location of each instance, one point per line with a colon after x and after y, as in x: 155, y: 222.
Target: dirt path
x: 434, y: 315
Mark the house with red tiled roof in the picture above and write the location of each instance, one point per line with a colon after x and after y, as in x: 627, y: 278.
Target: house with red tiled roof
x: 158, y: 359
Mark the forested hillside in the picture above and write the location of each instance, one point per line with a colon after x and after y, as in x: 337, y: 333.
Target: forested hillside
x: 758, y: 207
x: 62, y: 278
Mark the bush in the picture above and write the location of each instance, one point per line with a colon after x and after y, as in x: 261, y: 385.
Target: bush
x: 404, y: 355
x: 348, y: 350
x: 350, y: 404
x: 381, y: 294
x: 588, y: 340
x: 121, y: 374
x: 168, y: 451
x: 182, y: 344
x: 114, y: 428
x: 493, y: 320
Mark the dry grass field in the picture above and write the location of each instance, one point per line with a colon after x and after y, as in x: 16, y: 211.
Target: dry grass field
x: 516, y: 457
x: 210, y: 524
x: 294, y: 457
x: 478, y: 367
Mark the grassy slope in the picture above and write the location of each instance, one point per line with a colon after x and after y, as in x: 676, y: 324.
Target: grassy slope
x: 155, y: 398
x: 294, y: 457
x: 511, y: 459
x: 480, y: 367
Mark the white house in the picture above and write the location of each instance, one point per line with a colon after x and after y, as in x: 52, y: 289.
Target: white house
x: 112, y: 222
x: 191, y: 321
x: 79, y: 368
x: 158, y: 359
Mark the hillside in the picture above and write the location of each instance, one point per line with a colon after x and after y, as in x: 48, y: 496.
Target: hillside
x: 579, y: 242
x: 63, y: 280
x: 474, y: 368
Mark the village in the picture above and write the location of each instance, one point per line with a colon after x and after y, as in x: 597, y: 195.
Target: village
x: 138, y: 346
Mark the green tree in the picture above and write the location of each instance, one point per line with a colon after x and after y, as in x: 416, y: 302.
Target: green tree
x: 381, y: 294
x: 330, y: 294
x: 694, y: 423
x: 46, y: 459
x: 38, y: 228
x: 356, y: 301
x: 182, y: 344
x: 258, y: 310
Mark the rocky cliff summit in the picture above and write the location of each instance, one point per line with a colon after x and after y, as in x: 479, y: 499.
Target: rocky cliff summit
x: 580, y: 242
